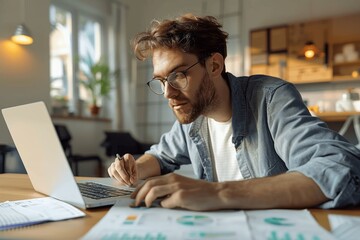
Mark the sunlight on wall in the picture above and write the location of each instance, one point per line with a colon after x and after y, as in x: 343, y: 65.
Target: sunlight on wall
x: 15, y: 59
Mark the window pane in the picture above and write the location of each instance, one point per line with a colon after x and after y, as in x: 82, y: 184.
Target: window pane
x: 61, y: 73
x: 89, y: 48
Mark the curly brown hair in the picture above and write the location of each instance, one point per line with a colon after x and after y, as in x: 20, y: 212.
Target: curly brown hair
x: 197, y: 35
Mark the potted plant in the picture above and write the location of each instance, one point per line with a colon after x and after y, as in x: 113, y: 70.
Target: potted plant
x: 96, y: 78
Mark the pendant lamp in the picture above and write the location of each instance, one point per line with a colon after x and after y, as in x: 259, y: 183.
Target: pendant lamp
x: 310, y: 50
x: 22, y: 35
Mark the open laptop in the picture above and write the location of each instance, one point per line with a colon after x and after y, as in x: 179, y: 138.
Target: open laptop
x: 39, y: 147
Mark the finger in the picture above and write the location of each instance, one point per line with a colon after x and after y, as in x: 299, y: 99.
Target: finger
x: 152, y: 190
x: 115, y: 174
x: 121, y: 171
x: 110, y: 171
x: 164, y: 191
x: 171, y: 201
x: 152, y: 181
x: 133, y: 172
x: 130, y: 167
x: 137, y: 189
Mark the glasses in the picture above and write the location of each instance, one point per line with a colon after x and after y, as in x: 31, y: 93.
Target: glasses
x: 176, y: 80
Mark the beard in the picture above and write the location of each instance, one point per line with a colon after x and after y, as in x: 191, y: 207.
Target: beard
x: 205, y: 100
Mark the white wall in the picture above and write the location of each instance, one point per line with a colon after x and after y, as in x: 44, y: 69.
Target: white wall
x: 24, y: 70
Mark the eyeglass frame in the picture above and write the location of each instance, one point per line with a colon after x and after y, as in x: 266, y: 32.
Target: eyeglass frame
x: 163, y: 80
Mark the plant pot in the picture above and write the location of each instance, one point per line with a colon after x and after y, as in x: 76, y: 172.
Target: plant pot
x: 94, y: 110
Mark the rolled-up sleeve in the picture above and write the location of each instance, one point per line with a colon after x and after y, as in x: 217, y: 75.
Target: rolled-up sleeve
x: 308, y: 146
x: 171, y: 151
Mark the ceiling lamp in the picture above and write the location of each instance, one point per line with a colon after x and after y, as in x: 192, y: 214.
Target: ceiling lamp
x: 22, y: 35
x: 310, y: 51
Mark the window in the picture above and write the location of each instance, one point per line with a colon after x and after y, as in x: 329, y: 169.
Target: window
x: 89, y: 46
x: 74, y: 35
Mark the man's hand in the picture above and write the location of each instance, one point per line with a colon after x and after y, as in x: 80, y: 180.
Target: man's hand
x: 124, y: 170
x: 178, y: 191
x: 289, y: 190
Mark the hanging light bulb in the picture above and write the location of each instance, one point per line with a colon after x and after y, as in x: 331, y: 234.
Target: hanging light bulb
x: 310, y: 50
x: 22, y: 35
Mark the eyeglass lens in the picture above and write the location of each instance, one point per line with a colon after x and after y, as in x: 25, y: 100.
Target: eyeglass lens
x: 176, y: 80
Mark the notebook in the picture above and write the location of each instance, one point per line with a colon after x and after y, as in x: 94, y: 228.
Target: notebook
x: 36, y: 140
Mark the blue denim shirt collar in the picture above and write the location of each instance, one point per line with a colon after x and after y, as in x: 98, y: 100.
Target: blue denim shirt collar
x: 238, y: 87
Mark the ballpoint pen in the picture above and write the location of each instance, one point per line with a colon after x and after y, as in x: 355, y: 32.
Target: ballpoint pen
x: 118, y: 157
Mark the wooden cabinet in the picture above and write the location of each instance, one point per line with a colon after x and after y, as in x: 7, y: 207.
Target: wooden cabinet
x: 346, y: 60
x: 338, y: 58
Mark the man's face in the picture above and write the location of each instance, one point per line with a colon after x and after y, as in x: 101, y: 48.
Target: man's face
x: 198, y: 98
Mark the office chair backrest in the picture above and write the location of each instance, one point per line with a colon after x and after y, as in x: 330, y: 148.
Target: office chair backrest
x: 65, y: 138
x: 121, y: 143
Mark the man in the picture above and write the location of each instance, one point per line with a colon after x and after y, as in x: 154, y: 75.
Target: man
x: 251, y: 141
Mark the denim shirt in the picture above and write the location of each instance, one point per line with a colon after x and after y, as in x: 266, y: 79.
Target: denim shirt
x: 273, y: 133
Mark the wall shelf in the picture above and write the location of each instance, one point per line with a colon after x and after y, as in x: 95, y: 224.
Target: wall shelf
x: 335, y: 116
x: 338, y: 58
x: 347, y: 64
x: 338, y: 79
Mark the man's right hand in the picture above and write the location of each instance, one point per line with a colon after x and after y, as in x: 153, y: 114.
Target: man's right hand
x: 124, y: 170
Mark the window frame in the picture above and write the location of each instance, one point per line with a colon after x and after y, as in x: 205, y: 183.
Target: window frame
x: 76, y: 12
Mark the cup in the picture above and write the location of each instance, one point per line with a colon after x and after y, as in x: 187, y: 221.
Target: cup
x: 356, y: 105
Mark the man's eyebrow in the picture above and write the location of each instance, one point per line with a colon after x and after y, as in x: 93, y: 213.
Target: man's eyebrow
x: 172, y: 70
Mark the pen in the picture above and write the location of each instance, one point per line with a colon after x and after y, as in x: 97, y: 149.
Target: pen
x: 118, y: 157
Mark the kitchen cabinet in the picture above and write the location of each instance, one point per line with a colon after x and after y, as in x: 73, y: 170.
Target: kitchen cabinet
x: 346, y: 60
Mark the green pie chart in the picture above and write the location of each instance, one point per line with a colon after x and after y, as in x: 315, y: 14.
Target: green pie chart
x: 278, y: 221
x: 194, y: 220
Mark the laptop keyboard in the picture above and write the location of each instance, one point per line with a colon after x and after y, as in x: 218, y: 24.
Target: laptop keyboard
x: 98, y: 191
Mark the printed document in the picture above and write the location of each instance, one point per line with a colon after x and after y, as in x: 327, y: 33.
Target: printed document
x: 345, y: 227
x: 14, y: 214
x: 123, y: 222
x: 285, y: 225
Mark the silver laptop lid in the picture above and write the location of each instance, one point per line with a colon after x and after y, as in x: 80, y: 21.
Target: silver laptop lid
x: 39, y: 147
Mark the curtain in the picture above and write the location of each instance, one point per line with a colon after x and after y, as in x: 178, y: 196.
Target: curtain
x: 122, y: 106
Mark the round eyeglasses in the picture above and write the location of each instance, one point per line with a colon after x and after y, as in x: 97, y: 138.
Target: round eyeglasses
x: 176, y: 80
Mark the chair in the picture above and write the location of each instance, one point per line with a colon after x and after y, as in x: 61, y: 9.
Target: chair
x: 355, y: 119
x: 65, y: 139
x: 121, y: 143
x: 4, y: 149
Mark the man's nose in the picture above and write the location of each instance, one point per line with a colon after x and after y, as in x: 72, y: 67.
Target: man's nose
x: 169, y: 91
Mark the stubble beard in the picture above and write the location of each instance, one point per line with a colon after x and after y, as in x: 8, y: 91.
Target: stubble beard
x: 205, y: 101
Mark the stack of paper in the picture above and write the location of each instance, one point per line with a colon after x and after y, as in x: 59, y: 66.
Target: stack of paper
x: 123, y: 222
x: 285, y: 225
x: 14, y: 214
x: 345, y: 227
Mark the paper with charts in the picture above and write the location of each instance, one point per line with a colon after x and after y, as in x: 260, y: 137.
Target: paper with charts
x: 123, y: 222
x: 285, y: 225
x: 345, y: 227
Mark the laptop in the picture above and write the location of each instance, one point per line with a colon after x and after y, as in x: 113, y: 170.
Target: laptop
x: 36, y: 140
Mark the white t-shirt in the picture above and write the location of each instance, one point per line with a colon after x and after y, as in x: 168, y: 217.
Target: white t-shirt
x: 223, y: 151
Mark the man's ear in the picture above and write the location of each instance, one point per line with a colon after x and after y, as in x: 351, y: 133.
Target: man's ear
x: 215, y: 64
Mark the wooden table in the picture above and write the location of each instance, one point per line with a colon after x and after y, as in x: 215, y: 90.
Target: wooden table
x: 18, y: 187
